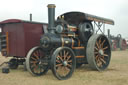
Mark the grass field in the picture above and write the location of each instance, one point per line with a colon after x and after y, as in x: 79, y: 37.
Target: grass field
x: 116, y: 74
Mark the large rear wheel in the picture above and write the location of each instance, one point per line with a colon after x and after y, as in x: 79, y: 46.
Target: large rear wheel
x: 63, y: 63
x: 37, y: 62
x: 98, y: 52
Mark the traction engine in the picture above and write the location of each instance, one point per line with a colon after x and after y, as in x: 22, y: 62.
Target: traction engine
x: 68, y: 43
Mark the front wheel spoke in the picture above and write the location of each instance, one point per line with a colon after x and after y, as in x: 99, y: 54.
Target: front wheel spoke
x: 33, y: 65
x: 60, y: 58
x: 34, y: 58
x: 40, y: 69
x: 66, y: 68
x: 60, y: 70
x: 59, y: 65
x: 58, y: 61
x: 63, y: 71
x: 70, y: 61
x: 37, y: 57
x: 35, y: 69
x: 68, y: 65
x: 61, y: 54
x: 64, y: 55
x: 68, y: 57
x: 33, y: 62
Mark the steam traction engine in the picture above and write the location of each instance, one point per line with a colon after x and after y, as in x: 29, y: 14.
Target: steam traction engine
x: 118, y: 42
x: 69, y: 42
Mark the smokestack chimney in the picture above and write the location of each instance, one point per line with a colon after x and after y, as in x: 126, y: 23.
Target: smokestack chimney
x: 30, y: 17
x: 51, y: 17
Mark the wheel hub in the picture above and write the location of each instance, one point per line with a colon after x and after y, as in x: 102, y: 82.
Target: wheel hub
x: 101, y: 52
x: 65, y: 63
x: 40, y: 63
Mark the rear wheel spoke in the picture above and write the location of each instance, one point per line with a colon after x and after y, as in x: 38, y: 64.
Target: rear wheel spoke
x: 105, y: 48
x: 98, y: 52
x: 97, y: 45
x: 103, y: 60
x: 102, y: 43
x: 105, y: 55
x: 96, y: 48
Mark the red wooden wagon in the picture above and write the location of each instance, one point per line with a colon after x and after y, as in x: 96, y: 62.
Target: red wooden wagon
x: 18, y: 37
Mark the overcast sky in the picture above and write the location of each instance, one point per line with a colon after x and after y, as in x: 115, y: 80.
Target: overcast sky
x: 113, y: 9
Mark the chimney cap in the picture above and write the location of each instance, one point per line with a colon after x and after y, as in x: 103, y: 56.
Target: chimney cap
x: 51, y: 6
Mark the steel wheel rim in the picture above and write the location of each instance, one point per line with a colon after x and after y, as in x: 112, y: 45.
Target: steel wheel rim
x: 36, y: 64
x: 102, y: 52
x: 63, y: 63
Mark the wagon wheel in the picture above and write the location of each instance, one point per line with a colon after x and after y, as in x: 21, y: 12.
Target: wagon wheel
x: 36, y: 61
x: 13, y: 64
x: 98, y: 52
x: 63, y: 63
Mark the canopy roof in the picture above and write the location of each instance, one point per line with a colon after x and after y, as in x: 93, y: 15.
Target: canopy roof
x: 77, y: 17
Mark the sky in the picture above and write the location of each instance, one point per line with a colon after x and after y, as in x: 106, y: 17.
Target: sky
x: 116, y: 10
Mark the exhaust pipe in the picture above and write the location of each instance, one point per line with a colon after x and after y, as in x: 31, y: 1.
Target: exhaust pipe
x: 51, y: 17
x: 30, y: 17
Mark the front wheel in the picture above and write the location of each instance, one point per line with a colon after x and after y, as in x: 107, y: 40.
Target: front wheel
x: 37, y: 62
x: 63, y: 63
